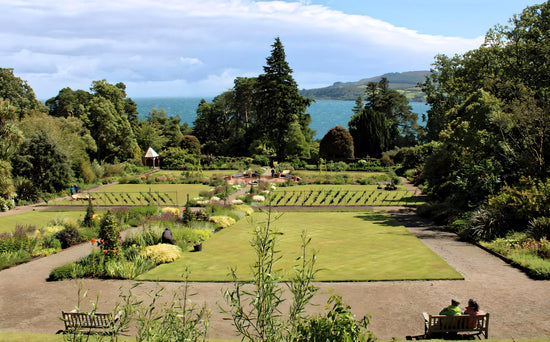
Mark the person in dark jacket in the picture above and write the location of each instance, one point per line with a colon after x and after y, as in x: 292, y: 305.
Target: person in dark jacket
x: 167, y: 237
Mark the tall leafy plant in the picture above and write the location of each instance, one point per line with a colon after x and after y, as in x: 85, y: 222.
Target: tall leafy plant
x: 256, y: 312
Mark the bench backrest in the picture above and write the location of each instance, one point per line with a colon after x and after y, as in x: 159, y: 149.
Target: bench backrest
x: 462, y: 323
x: 85, y: 320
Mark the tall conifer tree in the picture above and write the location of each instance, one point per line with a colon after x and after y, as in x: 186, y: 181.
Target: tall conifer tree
x: 279, y: 103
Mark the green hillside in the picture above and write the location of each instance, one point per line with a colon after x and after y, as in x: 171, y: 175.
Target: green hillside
x: 405, y: 82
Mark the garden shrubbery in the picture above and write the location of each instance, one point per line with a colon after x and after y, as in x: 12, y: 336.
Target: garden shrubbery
x: 143, y: 249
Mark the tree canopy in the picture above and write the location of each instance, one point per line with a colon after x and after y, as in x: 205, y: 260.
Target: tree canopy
x: 490, y: 111
x: 263, y: 115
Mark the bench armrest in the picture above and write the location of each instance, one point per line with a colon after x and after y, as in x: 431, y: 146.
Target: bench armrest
x: 426, y: 316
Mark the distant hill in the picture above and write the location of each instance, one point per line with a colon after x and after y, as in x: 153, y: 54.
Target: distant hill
x: 405, y: 82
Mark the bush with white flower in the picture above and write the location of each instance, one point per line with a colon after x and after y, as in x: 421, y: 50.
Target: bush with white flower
x: 258, y: 198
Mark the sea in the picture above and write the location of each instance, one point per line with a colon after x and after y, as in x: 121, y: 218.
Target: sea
x: 325, y: 114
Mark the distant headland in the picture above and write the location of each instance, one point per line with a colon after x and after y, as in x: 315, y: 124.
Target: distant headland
x: 405, y: 82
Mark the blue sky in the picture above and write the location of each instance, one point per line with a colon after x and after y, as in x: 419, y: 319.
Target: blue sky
x: 197, y: 48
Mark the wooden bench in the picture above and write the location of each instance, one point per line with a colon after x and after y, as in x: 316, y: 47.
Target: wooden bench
x: 86, y: 322
x: 438, y: 325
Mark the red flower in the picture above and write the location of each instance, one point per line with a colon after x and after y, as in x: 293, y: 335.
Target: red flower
x: 184, y: 208
x: 105, y: 251
x: 93, y: 241
x: 114, y: 251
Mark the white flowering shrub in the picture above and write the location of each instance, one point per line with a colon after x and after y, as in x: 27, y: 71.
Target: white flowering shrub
x: 258, y: 198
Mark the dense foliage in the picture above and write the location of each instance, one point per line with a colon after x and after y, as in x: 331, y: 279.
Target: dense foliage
x: 385, y: 121
x: 259, y: 116
x: 336, y: 144
x: 490, y: 125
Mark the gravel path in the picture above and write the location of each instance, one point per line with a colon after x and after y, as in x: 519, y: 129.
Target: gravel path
x: 519, y: 306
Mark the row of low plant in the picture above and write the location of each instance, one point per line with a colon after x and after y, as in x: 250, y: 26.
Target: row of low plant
x: 145, y: 248
x: 336, y: 197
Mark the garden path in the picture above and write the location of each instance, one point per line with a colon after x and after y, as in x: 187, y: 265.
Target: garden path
x: 518, y: 305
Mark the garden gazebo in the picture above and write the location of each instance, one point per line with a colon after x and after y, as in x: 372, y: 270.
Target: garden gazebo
x: 152, y: 158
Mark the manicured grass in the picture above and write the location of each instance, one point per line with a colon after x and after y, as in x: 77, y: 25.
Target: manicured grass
x: 341, y: 195
x: 39, y: 218
x: 138, y: 194
x: 352, y: 246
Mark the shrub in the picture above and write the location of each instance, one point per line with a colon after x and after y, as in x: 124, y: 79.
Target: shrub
x: 162, y: 253
x: 113, y: 170
x: 88, y: 220
x: 222, y: 221
x: 109, y: 235
x: 336, y: 144
x: 539, y: 228
x: 126, y: 269
x: 337, y: 324
x: 202, y: 234
x: 519, y: 203
x: 66, y: 271
x: 191, y: 144
x: 68, y: 237
x: 484, y: 225
x: 244, y: 208
x: 11, y: 258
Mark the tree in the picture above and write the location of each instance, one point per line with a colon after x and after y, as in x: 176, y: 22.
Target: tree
x: 71, y: 138
x: 10, y: 134
x: 490, y: 110
x: 336, y: 144
x: 358, y: 107
x: 370, y: 132
x: 211, y: 124
x: 278, y: 102
x: 296, y: 145
x: 70, y: 103
x: 40, y: 160
x: 403, y: 127
x: 191, y: 144
x: 18, y: 93
x: 150, y: 134
x: 170, y: 127
x: 112, y: 132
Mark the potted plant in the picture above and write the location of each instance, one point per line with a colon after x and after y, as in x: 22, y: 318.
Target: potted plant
x: 197, y: 246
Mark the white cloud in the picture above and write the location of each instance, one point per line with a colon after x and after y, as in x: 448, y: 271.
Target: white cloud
x: 183, y: 47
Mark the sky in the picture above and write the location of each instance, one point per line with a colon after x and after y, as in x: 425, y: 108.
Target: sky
x: 188, y: 48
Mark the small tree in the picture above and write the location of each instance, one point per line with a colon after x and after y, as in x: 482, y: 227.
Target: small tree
x: 88, y: 220
x: 109, y: 235
x: 336, y: 144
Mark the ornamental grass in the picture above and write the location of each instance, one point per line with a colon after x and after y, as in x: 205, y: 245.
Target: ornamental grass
x: 222, y: 221
x: 162, y: 253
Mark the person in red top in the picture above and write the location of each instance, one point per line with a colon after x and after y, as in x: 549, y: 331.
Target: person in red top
x: 472, y: 309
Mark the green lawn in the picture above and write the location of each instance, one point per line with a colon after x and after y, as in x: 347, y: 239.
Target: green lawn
x: 352, y: 246
x: 140, y: 194
x: 39, y: 218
